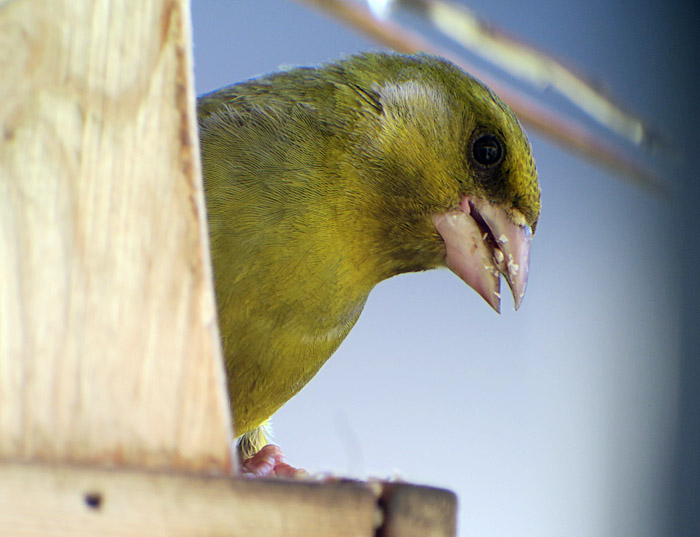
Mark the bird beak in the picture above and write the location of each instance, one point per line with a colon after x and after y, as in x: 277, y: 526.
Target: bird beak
x: 483, y: 241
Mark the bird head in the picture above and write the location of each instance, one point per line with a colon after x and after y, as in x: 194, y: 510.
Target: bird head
x: 453, y: 168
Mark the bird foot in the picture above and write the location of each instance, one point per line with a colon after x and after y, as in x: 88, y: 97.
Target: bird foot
x: 269, y: 462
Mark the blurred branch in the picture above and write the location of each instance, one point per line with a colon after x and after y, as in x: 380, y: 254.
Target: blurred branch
x: 523, y: 61
x: 564, y: 131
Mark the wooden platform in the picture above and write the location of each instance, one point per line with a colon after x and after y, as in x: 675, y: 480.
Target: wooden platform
x: 68, y: 500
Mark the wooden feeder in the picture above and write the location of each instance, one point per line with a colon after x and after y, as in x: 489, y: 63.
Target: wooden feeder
x: 114, y: 414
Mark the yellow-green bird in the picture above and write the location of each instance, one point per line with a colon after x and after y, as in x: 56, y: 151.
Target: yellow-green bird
x: 321, y: 182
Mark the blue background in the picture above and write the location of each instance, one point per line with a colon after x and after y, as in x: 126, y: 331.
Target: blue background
x: 577, y: 415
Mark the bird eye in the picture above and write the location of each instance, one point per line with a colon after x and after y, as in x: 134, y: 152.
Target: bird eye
x: 487, y: 150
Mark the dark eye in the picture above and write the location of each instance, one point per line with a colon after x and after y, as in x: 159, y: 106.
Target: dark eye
x: 487, y: 150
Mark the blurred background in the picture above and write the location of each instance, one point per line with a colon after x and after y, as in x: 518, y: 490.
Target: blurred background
x: 577, y: 416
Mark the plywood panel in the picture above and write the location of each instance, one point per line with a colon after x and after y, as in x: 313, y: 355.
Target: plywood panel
x: 109, y: 347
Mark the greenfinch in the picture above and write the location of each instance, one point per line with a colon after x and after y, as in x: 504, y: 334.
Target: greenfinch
x: 321, y: 182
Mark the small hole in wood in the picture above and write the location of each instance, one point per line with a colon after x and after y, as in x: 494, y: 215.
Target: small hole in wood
x: 93, y: 500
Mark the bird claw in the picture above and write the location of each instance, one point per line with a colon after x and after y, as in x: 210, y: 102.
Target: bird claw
x: 269, y: 462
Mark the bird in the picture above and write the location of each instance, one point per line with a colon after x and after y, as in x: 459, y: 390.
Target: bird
x: 320, y: 182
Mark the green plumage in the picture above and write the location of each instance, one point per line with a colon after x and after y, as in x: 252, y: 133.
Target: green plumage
x: 320, y: 183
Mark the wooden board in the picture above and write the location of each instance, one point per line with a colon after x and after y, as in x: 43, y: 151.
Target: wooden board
x: 416, y: 511
x: 109, y: 348
x: 71, y: 501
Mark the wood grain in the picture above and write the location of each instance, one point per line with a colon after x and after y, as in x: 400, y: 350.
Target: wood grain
x: 57, y: 501
x: 109, y: 348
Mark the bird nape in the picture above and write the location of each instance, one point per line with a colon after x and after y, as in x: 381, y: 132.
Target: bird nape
x: 321, y: 182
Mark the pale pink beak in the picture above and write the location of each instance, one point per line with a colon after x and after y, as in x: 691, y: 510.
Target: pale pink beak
x: 483, y: 241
